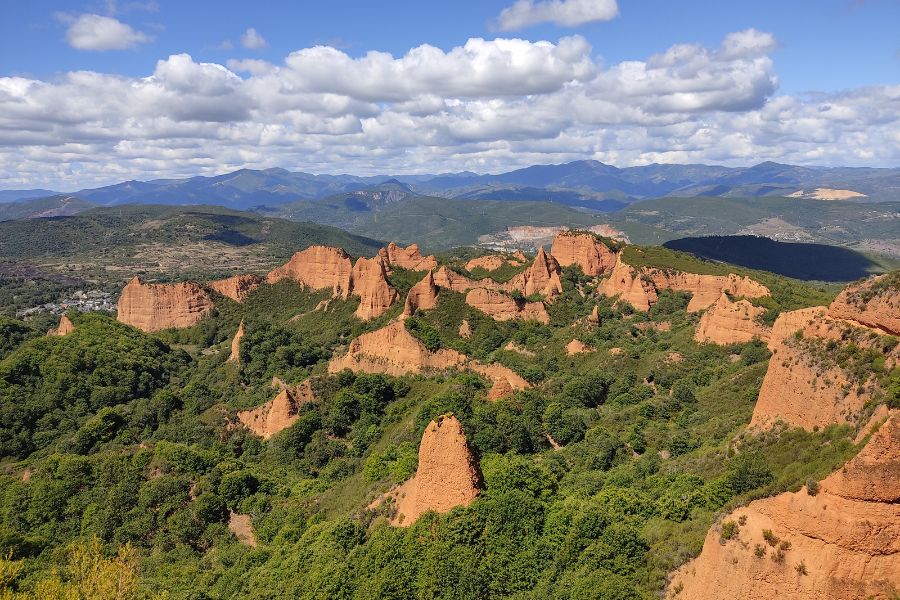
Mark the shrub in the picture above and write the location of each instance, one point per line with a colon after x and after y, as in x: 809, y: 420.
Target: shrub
x: 770, y: 537
x: 729, y: 530
x: 812, y: 487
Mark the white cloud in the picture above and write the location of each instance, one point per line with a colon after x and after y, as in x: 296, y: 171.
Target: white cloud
x: 487, y: 105
x: 568, y: 13
x: 253, y: 40
x: 99, y: 33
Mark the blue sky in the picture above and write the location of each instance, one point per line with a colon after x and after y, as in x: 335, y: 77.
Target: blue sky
x: 649, y: 81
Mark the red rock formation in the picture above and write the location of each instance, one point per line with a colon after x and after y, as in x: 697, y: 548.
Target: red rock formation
x: 585, y: 250
x: 237, y: 288
x: 279, y: 413
x: 844, y: 541
x: 492, y: 262
x: 514, y: 347
x: 65, y: 327
x: 408, y: 258
x: 447, y: 476
x: 153, y: 307
x: 465, y: 330
x: 624, y: 283
x: 242, y: 528
x: 319, y: 268
x: 578, y: 347
x: 452, y: 280
x: 235, y: 356
x: 594, y: 317
x: 542, y: 277
x: 501, y: 307
x: 369, y: 278
x: 706, y: 289
x: 874, y: 303
x: 727, y: 322
x: 504, y: 380
x: 422, y: 296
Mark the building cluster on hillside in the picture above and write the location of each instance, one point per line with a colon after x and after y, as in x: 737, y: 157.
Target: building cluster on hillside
x: 90, y: 301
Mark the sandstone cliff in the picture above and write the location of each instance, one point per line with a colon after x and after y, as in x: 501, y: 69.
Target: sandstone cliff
x: 279, y: 413
x: 727, y: 322
x: 452, y: 280
x: 235, y: 355
x: 408, y: 258
x: 237, y: 288
x: 492, y: 262
x: 706, y: 289
x: 874, y: 303
x: 369, y: 281
x: 501, y: 307
x: 625, y: 283
x: 585, y: 250
x: 153, y: 307
x: 542, y: 277
x: 844, y: 542
x: 65, y: 327
x: 319, y: 268
x: 422, y: 296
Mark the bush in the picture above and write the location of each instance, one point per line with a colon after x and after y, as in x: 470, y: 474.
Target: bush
x: 729, y: 530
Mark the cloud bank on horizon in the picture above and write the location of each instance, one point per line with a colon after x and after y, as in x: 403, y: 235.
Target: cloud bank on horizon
x: 486, y: 105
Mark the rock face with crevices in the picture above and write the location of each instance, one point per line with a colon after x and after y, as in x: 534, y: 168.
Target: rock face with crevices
x: 874, y: 303
x: 451, y: 280
x: 318, y: 268
x: 235, y: 356
x: 706, y: 289
x: 65, y: 327
x: 408, y: 258
x: 156, y: 306
x: 585, y: 250
x: 501, y: 307
x: 844, y: 541
x: 492, y: 262
x: 369, y: 279
x: 625, y: 283
x: 541, y: 278
x: 422, y: 296
x: 447, y: 475
x: 238, y: 287
x: 278, y: 413
x: 727, y: 322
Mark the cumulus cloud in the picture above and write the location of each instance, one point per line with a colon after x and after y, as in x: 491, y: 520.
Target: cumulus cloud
x: 253, y: 40
x: 568, y: 13
x: 487, y: 105
x: 99, y: 33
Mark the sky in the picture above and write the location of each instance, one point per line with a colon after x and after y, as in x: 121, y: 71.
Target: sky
x: 95, y: 92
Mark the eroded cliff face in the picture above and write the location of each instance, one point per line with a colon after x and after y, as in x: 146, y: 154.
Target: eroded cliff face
x: 451, y: 280
x: 319, y: 268
x: 706, y: 289
x: 625, y: 283
x: 238, y: 287
x: 154, y: 306
x: 369, y: 280
x: 874, y: 303
x: 844, y: 542
x: 501, y: 307
x: 447, y: 475
x: 542, y: 277
x: 422, y: 296
x: 805, y: 384
x: 585, y: 250
x: 394, y: 351
x: 235, y: 356
x: 492, y: 262
x: 578, y: 347
x: 408, y: 258
x: 278, y: 413
x: 65, y: 327
x: 727, y: 322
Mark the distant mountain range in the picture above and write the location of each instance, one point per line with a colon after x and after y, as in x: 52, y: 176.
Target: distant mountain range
x: 587, y: 183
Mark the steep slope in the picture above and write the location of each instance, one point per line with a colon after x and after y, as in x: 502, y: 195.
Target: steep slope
x: 874, y: 303
x: 501, y: 307
x: 706, y: 289
x: 154, y: 306
x: 279, y: 413
x: 318, y: 267
x: 585, y: 250
x: 541, y: 278
x: 237, y: 287
x: 625, y: 283
x: 422, y: 296
x: 727, y: 322
x: 371, y: 285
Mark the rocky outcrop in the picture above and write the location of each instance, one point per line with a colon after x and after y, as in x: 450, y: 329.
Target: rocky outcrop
x: 585, y: 250
x: 842, y: 543
x: 408, y: 258
x: 594, y: 317
x: 235, y: 356
x: 874, y: 303
x: 154, y: 307
x: 395, y: 351
x: 447, y: 475
x: 318, y: 268
x: 541, y: 278
x: 451, y: 280
x: 727, y: 322
x: 492, y: 262
x: 504, y: 381
x: 279, y: 413
x: 578, y: 347
x: 804, y: 386
x: 626, y: 284
x: 706, y: 289
x: 465, y: 330
x: 237, y: 288
x: 242, y: 527
x: 422, y: 296
x: 369, y: 279
x: 65, y: 327
x: 501, y: 307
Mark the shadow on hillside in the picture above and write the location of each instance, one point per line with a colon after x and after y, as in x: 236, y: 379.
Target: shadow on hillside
x: 800, y: 261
